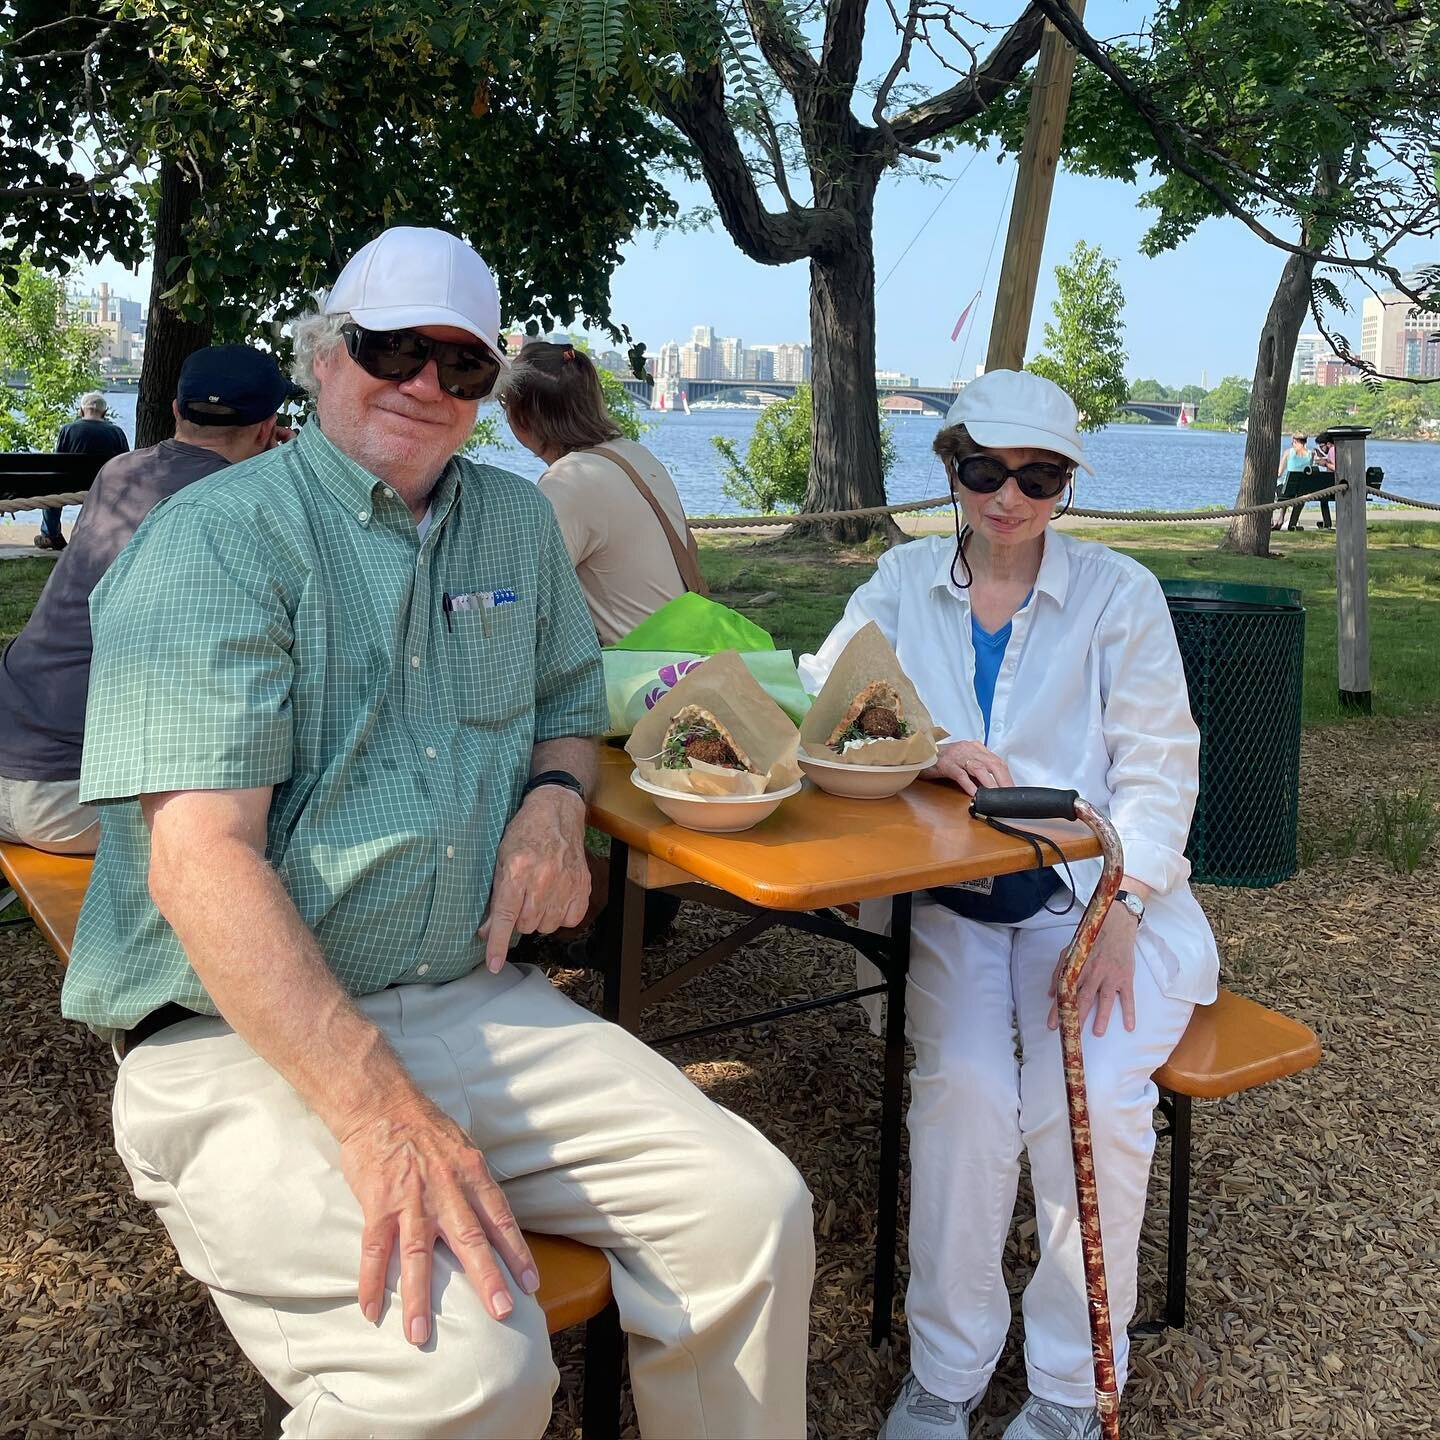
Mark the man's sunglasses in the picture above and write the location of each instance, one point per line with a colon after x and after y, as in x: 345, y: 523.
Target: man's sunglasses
x: 984, y: 474
x: 468, y: 372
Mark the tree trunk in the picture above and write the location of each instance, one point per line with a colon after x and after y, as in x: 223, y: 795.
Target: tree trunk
x: 845, y: 415
x: 169, y: 338
x: 1250, y: 534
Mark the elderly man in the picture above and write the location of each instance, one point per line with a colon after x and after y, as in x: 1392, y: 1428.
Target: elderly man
x: 91, y: 434
x: 340, y: 730
x: 224, y: 411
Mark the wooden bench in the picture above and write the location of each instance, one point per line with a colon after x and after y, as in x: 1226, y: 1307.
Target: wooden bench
x: 1233, y: 1045
x: 574, y: 1278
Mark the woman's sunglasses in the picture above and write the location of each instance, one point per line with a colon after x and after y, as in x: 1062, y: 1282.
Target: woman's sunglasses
x: 467, y: 372
x: 984, y: 474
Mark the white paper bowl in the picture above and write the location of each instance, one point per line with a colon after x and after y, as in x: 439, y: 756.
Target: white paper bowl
x: 719, y: 814
x: 860, y: 782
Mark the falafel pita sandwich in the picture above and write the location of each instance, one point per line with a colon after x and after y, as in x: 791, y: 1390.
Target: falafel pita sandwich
x: 716, y: 733
x: 867, y: 712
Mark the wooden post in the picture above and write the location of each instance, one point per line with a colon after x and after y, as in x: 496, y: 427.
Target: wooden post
x: 1352, y: 568
x: 1025, y: 240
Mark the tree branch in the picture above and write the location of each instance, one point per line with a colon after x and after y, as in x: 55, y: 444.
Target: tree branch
x: 1171, y: 139
x: 699, y: 114
x: 794, y: 65
x: 962, y: 102
x: 844, y: 40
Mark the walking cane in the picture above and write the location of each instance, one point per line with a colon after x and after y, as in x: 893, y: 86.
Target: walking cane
x: 1035, y: 803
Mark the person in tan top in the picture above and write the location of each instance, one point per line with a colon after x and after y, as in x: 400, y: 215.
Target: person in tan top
x: 618, y: 508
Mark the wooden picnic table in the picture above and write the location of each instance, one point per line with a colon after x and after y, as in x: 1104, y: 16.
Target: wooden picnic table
x: 817, y: 853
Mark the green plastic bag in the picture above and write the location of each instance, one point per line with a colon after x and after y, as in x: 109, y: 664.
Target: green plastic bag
x: 642, y: 666
x: 695, y: 625
x: 636, y: 680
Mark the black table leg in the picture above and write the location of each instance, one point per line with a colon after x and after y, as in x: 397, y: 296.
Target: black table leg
x: 891, y: 1115
x: 1177, y: 1255
x: 624, y: 942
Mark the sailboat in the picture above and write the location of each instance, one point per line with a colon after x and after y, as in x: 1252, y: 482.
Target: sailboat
x: 1183, y: 419
x: 685, y: 402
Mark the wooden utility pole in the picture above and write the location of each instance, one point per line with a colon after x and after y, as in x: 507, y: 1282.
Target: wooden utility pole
x: 1352, y: 568
x: 1039, y: 155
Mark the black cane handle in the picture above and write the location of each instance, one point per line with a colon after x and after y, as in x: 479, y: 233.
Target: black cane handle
x: 1023, y: 802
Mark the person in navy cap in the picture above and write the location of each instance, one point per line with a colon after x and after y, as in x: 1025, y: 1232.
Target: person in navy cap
x: 225, y: 410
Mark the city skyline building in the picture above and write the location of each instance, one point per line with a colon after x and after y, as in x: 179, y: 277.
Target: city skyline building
x: 1310, y: 348
x: 1395, y: 333
x: 118, y: 321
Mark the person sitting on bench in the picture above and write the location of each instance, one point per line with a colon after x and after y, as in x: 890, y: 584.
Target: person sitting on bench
x: 342, y: 728
x: 224, y: 411
x: 91, y: 434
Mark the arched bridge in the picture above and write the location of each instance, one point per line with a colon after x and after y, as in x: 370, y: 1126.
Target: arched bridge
x: 1158, y: 412
x: 936, y: 399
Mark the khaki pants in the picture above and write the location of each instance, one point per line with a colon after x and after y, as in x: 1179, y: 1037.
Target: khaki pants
x: 48, y: 815
x: 591, y: 1134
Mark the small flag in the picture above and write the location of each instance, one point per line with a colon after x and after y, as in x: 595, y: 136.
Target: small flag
x: 964, y: 314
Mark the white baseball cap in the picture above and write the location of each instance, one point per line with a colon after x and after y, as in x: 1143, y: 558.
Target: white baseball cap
x: 407, y: 277
x: 1015, y: 410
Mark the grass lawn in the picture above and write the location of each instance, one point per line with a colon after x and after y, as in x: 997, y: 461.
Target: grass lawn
x: 813, y: 581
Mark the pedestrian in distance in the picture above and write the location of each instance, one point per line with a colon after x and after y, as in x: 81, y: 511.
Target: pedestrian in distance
x: 91, y: 434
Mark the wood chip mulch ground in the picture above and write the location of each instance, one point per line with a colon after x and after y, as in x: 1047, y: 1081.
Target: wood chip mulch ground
x: 1315, y: 1230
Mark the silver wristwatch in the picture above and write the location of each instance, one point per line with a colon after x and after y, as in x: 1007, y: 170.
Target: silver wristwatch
x: 1133, y: 903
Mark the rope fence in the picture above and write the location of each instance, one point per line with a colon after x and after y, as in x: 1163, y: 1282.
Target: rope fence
x: 822, y: 517
x: 1153, y: 517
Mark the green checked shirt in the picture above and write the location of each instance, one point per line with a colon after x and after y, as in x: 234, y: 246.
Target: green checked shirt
x: 282, y: 623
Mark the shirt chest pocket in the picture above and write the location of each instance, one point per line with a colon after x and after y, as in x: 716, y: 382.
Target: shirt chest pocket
x: 490, y: 653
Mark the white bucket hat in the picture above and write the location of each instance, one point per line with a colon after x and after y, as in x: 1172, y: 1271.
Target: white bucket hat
x: 1015, y: 410
x: 407, y: 277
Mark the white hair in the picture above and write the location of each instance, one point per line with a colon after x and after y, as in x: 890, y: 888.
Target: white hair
x: 94, y: 400
x: 315, y: 335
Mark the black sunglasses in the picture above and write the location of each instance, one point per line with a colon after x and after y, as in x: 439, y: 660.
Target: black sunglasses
x: 1040, y: 480
x: 468, y: 372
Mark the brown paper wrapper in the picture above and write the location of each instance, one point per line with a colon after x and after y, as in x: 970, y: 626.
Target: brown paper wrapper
x: 724, y: 687
x: 867, y: 658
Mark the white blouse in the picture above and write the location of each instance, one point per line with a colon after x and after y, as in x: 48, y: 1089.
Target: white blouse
x: 1091, y: 697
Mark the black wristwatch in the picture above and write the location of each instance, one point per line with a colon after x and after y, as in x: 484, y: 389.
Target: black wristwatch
x: 562, y: 778
x: 1133, y: 903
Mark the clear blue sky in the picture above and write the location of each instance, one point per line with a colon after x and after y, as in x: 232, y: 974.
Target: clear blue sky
x: 1194, y: 312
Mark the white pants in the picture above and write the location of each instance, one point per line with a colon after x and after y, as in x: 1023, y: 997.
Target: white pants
x: 48, y: 815
x: 591, y: 1135
x: 974, y: 1103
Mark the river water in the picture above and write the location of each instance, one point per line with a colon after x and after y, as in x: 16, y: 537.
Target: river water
x: 1136, y: 466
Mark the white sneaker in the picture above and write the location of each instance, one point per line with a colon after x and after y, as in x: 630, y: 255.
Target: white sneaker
x: 1045, y: 1420
x: 919, y: 1415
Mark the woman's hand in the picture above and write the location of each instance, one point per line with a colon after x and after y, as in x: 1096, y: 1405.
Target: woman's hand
x: 1109, y: 974
x: 970, y: 765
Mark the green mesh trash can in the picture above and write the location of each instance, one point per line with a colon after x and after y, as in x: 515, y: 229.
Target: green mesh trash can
x: 1244, y: 653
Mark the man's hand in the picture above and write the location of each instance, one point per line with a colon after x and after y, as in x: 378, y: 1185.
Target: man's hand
x: 970, y: 765
x: 1109, y: 974
x: 542, y: 882
x: 418, y: 1179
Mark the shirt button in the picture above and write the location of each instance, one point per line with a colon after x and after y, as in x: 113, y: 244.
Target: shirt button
x: 388, y: 493
x: 422, y: 969
x: 414, y: 662
x: 449, y: 852
x: 430, y: 751
x: 362, y: 514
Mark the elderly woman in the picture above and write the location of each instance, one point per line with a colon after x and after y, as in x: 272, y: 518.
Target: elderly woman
x: 618, y: 508
x: 1052, y: 662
